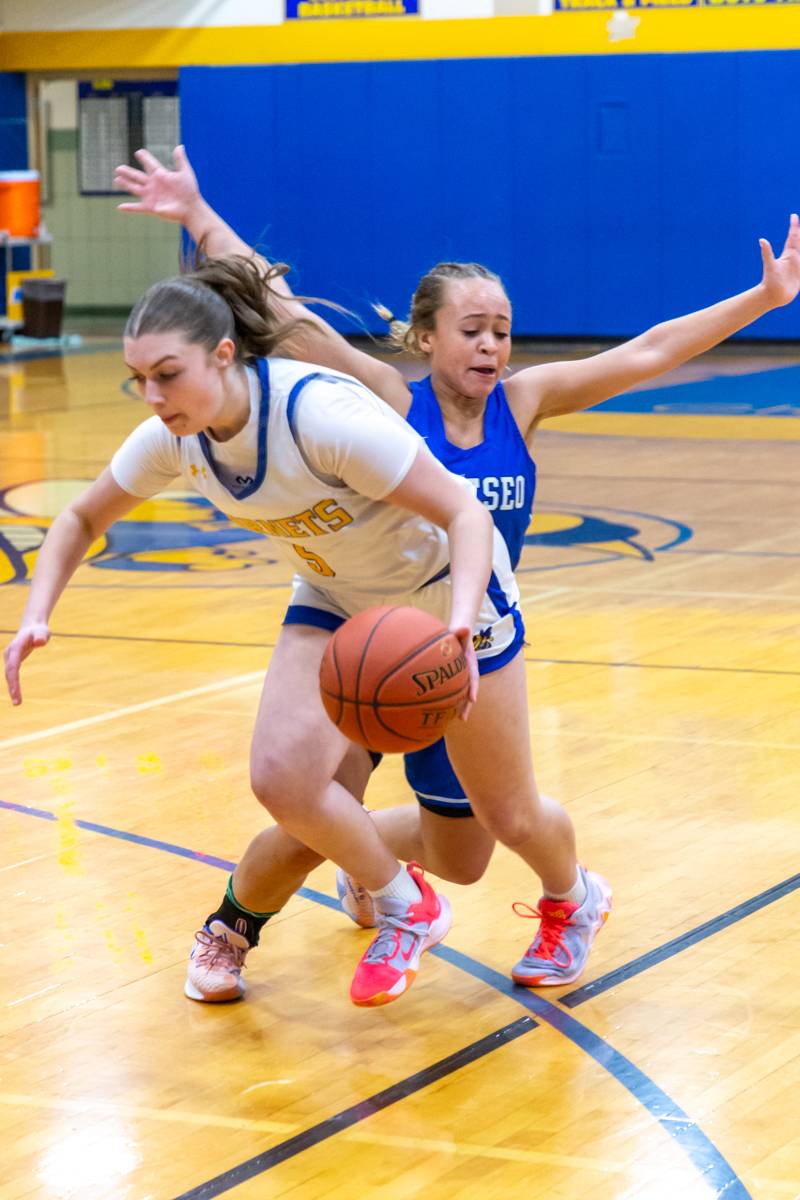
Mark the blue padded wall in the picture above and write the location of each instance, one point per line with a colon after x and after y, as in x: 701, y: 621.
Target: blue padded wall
x: 13, y: 122
x: 13, y: 154
x: 609, y: 192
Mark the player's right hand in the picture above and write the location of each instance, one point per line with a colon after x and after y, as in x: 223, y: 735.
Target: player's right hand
x: 29, y: 638
x: 160, y: 191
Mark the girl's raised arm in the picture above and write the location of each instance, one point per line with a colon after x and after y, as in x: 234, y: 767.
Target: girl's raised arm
x: 174, y: 195
x: 553, y: 389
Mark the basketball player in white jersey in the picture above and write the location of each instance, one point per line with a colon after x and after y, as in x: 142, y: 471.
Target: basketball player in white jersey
x: 353, y: 499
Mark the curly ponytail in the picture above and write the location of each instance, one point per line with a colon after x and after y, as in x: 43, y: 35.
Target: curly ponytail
x: 244, y: 285
x: 218, y: 298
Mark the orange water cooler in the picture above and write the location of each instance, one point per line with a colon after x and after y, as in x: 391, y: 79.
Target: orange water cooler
x: 19, y: 204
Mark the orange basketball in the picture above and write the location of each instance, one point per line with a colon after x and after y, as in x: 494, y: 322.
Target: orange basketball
x: 393, y: 679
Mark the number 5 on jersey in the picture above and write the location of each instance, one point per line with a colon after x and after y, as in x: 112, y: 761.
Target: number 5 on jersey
x: 314, y: 561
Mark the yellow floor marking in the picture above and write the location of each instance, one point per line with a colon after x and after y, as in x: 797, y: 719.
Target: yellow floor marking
x: 176, y: 697
x: 434, y: 1145
x: 508, y: 1154
x: 679, y: 425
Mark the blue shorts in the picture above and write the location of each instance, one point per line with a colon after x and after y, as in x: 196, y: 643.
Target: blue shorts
x: 430, y: 773
x: 433, y: 781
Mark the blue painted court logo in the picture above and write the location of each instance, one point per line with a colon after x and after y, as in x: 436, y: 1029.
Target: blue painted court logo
x: 579, y: 536
x: 181, y: 532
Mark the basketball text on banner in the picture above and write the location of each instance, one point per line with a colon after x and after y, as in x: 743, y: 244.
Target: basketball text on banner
x: 304, y: 10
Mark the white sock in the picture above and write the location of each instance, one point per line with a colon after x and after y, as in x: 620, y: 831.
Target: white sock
x: 575, y: 895
x: 402, y: 887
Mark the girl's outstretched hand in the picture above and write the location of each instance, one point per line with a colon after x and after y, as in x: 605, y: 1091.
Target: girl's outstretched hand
x: 160, y: 191
x: 30, y: 637
x: 782, y: 275
x: 464, y: 635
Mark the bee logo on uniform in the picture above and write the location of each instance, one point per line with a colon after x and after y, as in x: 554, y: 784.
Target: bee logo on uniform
x: 483, y: 640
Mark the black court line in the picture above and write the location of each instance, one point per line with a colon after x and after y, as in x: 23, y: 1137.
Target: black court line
x: 565, y: 662
x: 700, y: 932
x: 359, y: 1112
x: 639, y: 666
x: 124, y: 637
x: 172, y: 584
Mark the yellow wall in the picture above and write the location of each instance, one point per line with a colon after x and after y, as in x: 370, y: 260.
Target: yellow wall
x: 775, y: 27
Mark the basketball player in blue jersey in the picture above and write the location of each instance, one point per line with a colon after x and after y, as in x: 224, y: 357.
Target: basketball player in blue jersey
x: 460, y: 322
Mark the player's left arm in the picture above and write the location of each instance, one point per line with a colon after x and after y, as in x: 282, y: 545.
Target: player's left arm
x: 553, y: 389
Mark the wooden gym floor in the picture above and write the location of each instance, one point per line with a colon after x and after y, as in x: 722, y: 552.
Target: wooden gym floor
x: 661, y: 596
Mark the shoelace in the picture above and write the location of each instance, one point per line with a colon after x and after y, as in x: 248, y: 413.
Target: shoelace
x: 550, y: 938
x: 217, y: 952
x: 387, y: 943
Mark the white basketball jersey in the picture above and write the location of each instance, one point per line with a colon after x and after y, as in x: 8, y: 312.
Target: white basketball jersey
x: 329, y: 533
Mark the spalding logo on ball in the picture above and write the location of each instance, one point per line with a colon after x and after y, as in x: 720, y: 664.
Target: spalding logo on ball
x: 393, y: 678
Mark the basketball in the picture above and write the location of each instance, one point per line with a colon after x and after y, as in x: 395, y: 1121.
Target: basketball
x: 393, y: 678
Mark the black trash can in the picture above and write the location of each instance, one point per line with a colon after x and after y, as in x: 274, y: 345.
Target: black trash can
x: 42, y: 307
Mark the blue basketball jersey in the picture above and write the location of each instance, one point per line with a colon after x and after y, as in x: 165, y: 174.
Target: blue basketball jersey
x: 504, y: 477
x: 500, y: 468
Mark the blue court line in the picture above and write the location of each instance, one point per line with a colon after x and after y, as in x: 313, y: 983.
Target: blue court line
x: 712, y: 1166
x: 703, y: 1154
x: 739, y: 911
x: 138, y: 838
x: 359, y: 1112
